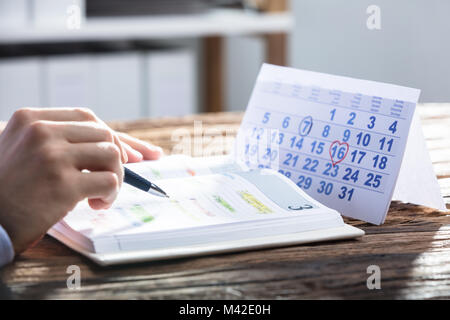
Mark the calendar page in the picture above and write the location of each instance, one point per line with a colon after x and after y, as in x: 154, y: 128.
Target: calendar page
x: 339, y: 139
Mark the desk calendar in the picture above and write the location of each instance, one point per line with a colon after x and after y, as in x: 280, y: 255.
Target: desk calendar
x: 341, y: 140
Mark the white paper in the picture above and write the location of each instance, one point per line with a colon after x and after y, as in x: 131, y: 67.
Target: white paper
x: 201, y: 209
x: 340, y: 139
x: 417, y: 182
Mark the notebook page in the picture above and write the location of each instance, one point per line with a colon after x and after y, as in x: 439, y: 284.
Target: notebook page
x: 201, y: 203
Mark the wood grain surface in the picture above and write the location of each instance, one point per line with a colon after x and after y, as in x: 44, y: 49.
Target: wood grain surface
x: 412, y: 248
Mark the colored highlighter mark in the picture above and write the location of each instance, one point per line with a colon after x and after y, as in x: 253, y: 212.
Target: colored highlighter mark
x: 181, y: 206
x: 190, y: 171
x: 223, y: 203
x: 255, y: 203
x: 156, y: 173
x: 140, y: 213
x: 202, y: 209
x: 338, y: 151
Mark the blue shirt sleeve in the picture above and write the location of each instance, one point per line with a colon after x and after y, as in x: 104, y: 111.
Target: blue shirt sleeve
x: 6, y: 248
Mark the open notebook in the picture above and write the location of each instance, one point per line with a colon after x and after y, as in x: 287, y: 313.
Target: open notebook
x: 214, y: 206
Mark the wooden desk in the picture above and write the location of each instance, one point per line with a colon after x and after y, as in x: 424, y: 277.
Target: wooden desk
x: 412, y: 249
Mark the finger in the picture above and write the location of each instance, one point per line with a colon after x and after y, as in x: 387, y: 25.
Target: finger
x: 101, y: 188
x: 71, y: 114
x: 149, y: 151
x: 59, y: 114
x: 98, y: 204
x: 123, y: 152
x: 79, y: 132
x: 100, y: 156
x: 133, y: 155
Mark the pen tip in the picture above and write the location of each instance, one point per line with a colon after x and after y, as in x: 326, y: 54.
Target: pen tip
x: 155, y: 190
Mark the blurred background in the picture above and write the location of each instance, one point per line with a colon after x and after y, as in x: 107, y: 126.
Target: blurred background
x: 153, y: 58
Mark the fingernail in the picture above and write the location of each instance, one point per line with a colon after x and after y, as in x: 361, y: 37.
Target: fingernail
x: 137, y: 154
x: 157, y: 149
x: 134, y: 152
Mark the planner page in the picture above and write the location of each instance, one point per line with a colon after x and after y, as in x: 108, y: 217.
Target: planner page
x: 216, y: 207
x: 339, y: 139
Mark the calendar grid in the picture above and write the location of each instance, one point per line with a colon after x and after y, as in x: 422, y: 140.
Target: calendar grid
x: 334, y: 180
x: 344, y: 149
x: 332, y: 123
x: 322, y: 139
x: 328, y: 160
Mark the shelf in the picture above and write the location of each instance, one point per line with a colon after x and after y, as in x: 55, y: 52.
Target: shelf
x: 220, y: 22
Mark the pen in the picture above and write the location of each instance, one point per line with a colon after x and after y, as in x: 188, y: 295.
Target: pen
x: 132, y: 178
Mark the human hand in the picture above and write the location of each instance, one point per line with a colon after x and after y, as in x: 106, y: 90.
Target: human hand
x: 138, y: 150
x: 44, y: 155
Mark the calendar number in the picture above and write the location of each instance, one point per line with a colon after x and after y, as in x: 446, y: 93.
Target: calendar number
x: 363, y: 138
x: 285, y: 123
x: 373, y: 180
x: 270, y: 154
x: 266, y: 117
x: 330, y: 170
x: 304, y: 182
x: 277, y: 137
x: 317, y: 147
x: 332, y: 113
x: 357, y: 156
x: 257, y: 133
x: 251, y: 150
x: 305, y: 126
x: 352, y: 116
x: 290, y: 160
x: 380, y: 162
x: 296, y: 142
x: 386, y: 143
x: 346, y: 193
x: 393, y: 127
x: 351, y: 175
x: 310, y: 165
x: 326, y: 131
x: 325, y: 188
x: 346, y: 135
x: 338, y: 152
x: 371, y: 125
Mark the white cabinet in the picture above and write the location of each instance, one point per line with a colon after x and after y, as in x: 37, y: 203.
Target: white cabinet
x: 68, y: 81
x: 14, y: 13
x: 109, y: 84
x: 171, y: 86
x: 20, y: 85
x: 62, y: 14
x: 118, y: 86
